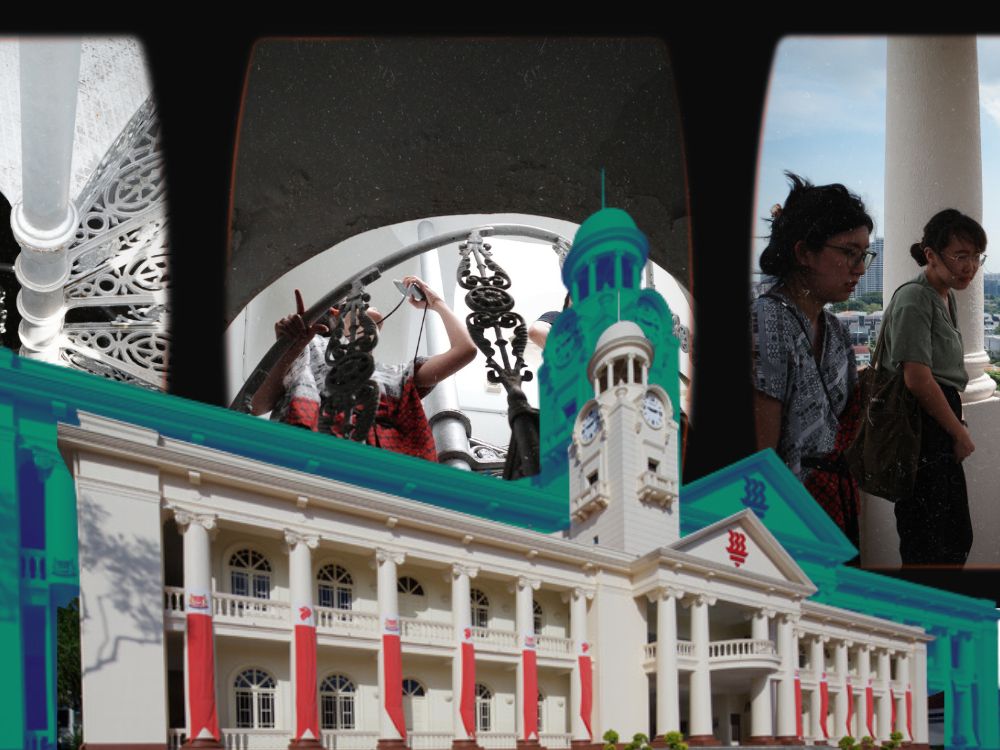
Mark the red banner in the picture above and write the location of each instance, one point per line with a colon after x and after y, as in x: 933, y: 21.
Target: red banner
x: 850, y: 708
x: 892, y: 702
x: 467, y: 708
x: 798, y: 706
x: 392, y: 670
x: 869, y: 708
x: 586, y: 693
x: 201, y: 677
x: 909, y: 713
x: 824, y: 705
x: 530, y: 694
x: 306, y: 707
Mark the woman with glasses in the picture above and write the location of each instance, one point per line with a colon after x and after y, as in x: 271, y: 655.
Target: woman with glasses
x: 805, y: 376
x: 920, y: 331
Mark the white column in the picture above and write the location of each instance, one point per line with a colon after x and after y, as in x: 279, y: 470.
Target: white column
x: 461, y: 618
x: 525, y: 620
x: 44, y: 221
x: 918, y: 677
x: 388, y: 609
x: 864, y: 675
x: 903, y: 680
x: 760, y: 687
x: 840, y: 698
x: 451, y: 428
x: 667, y: 688
x: 964, y: 716
x: 788, y: 650
x: 817, y: 661
x: 300, y: 589
x: 701, y: 684
x: 578, y: 633
x: 934, y: 162
x: 883, y: 702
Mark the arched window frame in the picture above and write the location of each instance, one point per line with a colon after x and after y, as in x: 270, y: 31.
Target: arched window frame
x: 409, y: 586
x: 249, y: 572
x: 480, y: 607
x: 541, y: 712
x: 537, y: 616
x: 337, y: 704
x: 484, y: 708
x: 255, y: 698
x: 334, y: 587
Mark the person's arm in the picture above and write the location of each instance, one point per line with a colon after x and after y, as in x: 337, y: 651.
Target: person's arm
x: 294, y: 327
x: 538, y: 332
x: 462, y: 351
x: 767, y: 417
x: 920, y: 382
x: 771, y: 340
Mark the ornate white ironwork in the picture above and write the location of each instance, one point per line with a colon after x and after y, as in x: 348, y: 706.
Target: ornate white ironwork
x: 120, y: 267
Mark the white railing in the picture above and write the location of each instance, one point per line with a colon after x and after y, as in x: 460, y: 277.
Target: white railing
x: 176, y: 738
x: 33, y: 564
x: 346, y: 621
x: 555, y: 645
x: 256, y: 739
x: 250, y: 608
x: 429, y: 740
x: 428, y: 631
x: 685, y: 648
x: 36, y: 739
x: 554, y: 740
x: 173, y: 602
x: 650, y: 650
x: 740, y: 647
x: 496, y: 740
x: 496, y: 639
x: 348, y: 739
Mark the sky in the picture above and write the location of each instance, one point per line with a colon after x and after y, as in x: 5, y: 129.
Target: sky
x: 825, y: 120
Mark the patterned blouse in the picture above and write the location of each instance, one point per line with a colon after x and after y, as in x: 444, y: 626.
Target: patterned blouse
x: 400, y: 423
x: 785, y: 369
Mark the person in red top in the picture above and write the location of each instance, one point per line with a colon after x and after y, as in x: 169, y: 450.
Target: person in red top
x: 296, y: 386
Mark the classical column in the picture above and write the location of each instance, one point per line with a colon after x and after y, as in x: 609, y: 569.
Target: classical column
x: 463, y: 662
x: 526, y: 689
x: 761, y: 732
x: 392, y: 724
x: 918, y: 678
x: 964, y: 716
x: 934, y: 162
x: 788, y: 650
x: 581, y: 686
x: 668, y: 715
x: 303, y: 649
x: 841, y: 719
x: 203, y: 720
x: 700, y: 725
x: 884, y: 727
x: 44, y: 221
x: 817, y: 701
x: 450, y: 426
x: 904, y: 718
x: 865, y: 688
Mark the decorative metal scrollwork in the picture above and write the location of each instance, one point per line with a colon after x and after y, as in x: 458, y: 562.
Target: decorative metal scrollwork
x: 492, y: 308
x: 3, y: 311
x: 683, y: 334
x: 352, y: 395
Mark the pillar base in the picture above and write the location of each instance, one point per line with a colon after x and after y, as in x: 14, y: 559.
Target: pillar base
x: 529, y: 745
x: 585, y: 745
x: 204, y: 743
x: 764, y: 739
x: 788, y: 740
x: 465, y: 745
x: 702, y: 740
x: 394, y: 744
x: 305, y: 744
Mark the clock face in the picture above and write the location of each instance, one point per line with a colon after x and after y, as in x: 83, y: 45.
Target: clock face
x: 653, y: 410
x: 591, y: 424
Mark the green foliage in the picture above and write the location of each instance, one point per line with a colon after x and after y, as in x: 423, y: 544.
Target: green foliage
x: 610, y: 739
x: 68, y: 655
x: 847, y: 743
x: 674, y: 740
x: 995, y: 374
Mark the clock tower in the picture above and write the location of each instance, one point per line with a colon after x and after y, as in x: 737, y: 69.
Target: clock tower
x: 623, y: 470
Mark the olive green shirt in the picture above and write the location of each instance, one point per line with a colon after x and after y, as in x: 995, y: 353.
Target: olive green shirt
x: 918, y: 328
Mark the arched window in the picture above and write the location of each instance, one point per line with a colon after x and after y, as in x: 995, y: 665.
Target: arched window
x: 536, y: 616
x: 336, y: 700
x: 484, y: 708
x: 480, y: 609
x: 541, y: 712
x: 250, y: 574
x: 605, y: 271
x: 254, y: 690
x: 414, y: 705
x: 411, y: 586
x: 336, y: 587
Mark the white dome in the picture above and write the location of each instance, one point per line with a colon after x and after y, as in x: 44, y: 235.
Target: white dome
x: 620, y: 330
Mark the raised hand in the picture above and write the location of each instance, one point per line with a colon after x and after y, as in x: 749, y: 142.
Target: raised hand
x: 294, y: 326
x: 431, y: 298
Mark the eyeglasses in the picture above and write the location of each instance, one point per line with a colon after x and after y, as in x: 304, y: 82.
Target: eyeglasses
x: 855, y: 255
x: 967, y: 259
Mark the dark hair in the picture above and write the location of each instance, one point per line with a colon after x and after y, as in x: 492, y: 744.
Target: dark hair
x: 945, y: 226
x: 812, y: 214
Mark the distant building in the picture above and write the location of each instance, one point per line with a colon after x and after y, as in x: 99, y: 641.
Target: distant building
x: 871, y: 282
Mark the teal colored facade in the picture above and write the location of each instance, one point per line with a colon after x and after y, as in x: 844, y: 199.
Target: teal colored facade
x: 38, y: 520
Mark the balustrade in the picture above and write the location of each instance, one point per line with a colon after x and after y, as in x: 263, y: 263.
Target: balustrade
x: 429, y: 740
x: 256, y: 739
x: 554, y: 740
x: 173, y: 600
x: 176, y: 738
x: 33, y: 564
x: 348, y: 739
x: 496, y: 740
x: 249, y: 608
x: 347, y: 621
x: 551, y: 644
x: 414, y: 629
x: 740, y: 647
x: 491, y: 637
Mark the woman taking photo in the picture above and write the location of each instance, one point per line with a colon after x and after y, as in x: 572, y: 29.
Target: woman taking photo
x: 921, y: 335
x: 805, y: 375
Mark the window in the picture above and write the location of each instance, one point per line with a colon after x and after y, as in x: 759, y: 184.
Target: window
x: 583, y: 282
x: 628, y: 269
x: 652, y: 465
x: 414, y: 705
x: 536, y: 616
x: 250, y: 574
x: 484, y: 708
x: 636, y: 371
x: 254, y: 691
x: 411, y: 586
x: 620, y: 370
x: 605, y: 271
x: 592, y: 478
x: 480, y: 609
x: 336, y: 700
x: 541, y: 712
x: 336, y: 587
